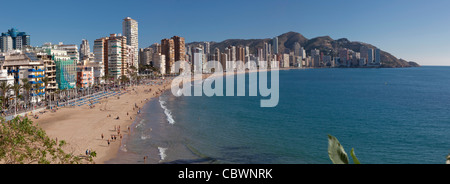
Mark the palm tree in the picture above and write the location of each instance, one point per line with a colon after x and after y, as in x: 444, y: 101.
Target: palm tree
x: 57, y: 91
x: 124, y: 79
x: 16, y: 88
x: 45, y: 80
x: 5, y: 87
x: 27, y: 87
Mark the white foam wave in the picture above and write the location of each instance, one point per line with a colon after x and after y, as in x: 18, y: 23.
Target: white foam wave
x: 144, y: 137
x: 179, y: 93
x: 167, y: 112
x: 123, y: 148
x: 162, y: 152
x: 140, y: 124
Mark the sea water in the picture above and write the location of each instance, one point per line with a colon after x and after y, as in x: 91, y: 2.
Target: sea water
x: 388, y: 115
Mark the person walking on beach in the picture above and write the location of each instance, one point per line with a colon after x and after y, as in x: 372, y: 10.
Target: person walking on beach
x: 102, y: 136
x: 108, y: 142
x: 145, y: 158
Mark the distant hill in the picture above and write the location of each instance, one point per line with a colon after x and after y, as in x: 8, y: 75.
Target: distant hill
x: 325, y: 44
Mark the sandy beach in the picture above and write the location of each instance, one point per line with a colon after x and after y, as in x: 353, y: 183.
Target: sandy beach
x: 82, y: 127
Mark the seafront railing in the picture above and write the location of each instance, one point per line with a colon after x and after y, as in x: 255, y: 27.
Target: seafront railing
x: 89, y: 99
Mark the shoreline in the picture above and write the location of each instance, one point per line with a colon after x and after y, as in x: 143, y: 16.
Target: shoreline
x: 82, y: 127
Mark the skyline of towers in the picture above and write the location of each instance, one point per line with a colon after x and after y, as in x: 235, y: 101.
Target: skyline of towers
x: 13, y: 39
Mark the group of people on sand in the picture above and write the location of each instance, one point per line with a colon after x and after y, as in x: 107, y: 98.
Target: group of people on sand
x: 113, y: 137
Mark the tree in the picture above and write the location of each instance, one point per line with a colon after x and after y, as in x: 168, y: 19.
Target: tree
x: 22, y: 142
x: 5, y: 87
x: 45, y: 80
x: 27, y: 87
x: 124, y: 79
x: 16, y: 88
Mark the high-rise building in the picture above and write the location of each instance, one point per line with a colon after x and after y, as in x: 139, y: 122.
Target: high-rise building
x: 233, y: 57
x: 101, y: 50
x: 217, y: 54
x: 326, y: 60
x: 355, y: 58
x: 364, y: 54
x: 146, y: 56
x: 180, y: 48
x: 275, y: 45
x: 284, y: 61
x: 207, y: 48
x: 159, y: 62
x: 377, y: 56
x: 13, y: 39
x: 240, y: 54
x: 344, y: 55
x: 297, y: 48
x: 72, y: 51
x: 315, y: 60
x: 115, y: 56
x: 198, y: 59
x: 6, y: 43
x: 302, y: 52
x: 130, y: 30
x: 168, y: 50
x: 315, y: 52
x: 113, y: 52
x: 85, y: 50
x: 65, y: 68
x: 369, y: 56
x: 50, y: 70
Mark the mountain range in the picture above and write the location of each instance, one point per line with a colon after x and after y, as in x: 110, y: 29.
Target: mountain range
x: 325, y: 44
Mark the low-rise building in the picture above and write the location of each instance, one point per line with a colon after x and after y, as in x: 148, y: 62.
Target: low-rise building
x: 26, y: 66
x: 85, y: 76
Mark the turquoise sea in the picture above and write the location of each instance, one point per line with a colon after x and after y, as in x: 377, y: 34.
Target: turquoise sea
x: 388, y: 115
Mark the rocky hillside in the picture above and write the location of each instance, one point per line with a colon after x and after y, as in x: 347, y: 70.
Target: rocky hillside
x: 325, y: 44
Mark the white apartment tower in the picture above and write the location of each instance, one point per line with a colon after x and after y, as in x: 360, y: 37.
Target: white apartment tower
x: 85, y: 50
x: 130, y: 30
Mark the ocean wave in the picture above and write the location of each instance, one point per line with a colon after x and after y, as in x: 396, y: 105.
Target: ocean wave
x: 162, y: 153
x: 140, y: 124
x: 144, y: 137
x: 166, y: 111
x: 123, y: 148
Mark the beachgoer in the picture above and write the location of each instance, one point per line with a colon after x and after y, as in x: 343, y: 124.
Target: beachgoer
x: 108, y: 142
x: 102, y: 135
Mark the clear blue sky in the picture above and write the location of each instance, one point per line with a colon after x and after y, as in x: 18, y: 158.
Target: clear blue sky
x: 417, y: 30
